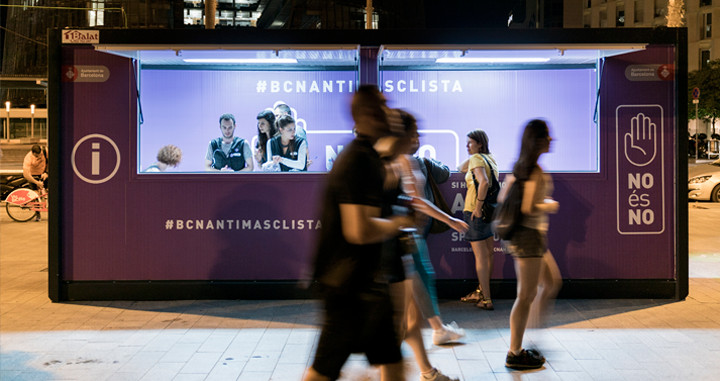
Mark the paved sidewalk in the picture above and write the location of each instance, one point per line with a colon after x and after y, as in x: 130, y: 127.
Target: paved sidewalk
x: 274, y: 340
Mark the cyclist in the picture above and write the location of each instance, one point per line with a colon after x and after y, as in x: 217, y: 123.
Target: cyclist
x: 35, y: 167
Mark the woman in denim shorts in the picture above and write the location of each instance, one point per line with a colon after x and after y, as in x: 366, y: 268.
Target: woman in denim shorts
x: 535, y: 266
x: 478, y: 178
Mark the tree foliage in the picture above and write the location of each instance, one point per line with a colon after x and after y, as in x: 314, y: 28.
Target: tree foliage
x: 707, y: 80
x: 676, y: 13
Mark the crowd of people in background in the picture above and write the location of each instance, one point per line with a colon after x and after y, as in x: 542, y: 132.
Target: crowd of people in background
x: 280, y: 146
x: 371, y: 260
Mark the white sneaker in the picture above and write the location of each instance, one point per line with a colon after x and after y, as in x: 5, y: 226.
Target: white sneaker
x: 436, y: 375
x: 449, y: 332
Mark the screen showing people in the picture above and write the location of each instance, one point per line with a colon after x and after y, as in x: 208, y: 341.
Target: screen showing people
x: 294, y: 121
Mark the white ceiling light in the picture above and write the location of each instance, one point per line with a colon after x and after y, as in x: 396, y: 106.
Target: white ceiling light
x: 491, y: 60
x: 241, y: 60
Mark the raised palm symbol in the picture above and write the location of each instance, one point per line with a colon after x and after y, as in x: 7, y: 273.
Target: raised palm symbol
x: 641, y: 141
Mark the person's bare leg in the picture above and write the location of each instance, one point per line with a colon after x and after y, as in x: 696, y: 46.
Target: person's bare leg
x: 549, y: 286
x: 392, y: 372
x: 527, y: 271
x: 414, y: 338
x: 313, y: 375
x: 478, y: 248
x: 483, y: 263
x: 436, y: 322
x: 489, y: 263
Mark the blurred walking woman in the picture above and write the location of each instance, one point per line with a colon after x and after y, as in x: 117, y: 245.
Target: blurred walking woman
x: 480, y: 235
x: 535, y: 266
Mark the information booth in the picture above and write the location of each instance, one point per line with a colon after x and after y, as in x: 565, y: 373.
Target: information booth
x: 615, y: 101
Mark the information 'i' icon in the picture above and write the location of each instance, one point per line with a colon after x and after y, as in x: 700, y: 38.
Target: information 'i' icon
x: 95, y: 159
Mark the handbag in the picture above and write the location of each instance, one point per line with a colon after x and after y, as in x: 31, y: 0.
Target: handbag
x: 439, y: 201
x: 508, y: 214
x: 490, y: 203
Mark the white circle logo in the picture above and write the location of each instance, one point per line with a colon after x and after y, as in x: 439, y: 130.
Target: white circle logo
x: 95, y: 159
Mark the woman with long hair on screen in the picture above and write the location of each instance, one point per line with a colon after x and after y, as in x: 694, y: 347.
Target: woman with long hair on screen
x: 535, y: 266
x: 265, y: 131
x: 480, y: 168
x: 286, y: 152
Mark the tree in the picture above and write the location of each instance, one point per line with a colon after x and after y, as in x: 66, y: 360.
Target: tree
x: 707, y: 80
x: 676, y: 14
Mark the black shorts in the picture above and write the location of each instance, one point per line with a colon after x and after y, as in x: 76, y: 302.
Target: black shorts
x: 479, y: 230
x: 527, y: 243
x: 357, y: 323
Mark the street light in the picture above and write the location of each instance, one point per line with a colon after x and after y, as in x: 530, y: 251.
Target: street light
x: 32, y: 121
x: 7, y: 115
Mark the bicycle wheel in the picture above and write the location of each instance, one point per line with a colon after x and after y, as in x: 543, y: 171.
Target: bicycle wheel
x: 19, y: 213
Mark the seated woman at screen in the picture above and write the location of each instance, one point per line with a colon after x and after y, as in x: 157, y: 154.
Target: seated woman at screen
x: 286, y: 152
x: 266, y: 131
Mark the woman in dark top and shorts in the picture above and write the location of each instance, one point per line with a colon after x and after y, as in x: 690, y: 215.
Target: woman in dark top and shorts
x: 535, y: 266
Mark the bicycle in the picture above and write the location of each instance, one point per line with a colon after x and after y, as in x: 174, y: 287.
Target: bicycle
x: 24, y: 204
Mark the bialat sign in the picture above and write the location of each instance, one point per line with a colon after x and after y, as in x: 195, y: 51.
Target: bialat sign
x: 81, y: 37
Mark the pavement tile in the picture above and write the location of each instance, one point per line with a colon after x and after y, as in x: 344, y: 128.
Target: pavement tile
x: 589, y: 339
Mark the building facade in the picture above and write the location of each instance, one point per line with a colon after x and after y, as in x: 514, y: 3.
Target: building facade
x: 700, y: 15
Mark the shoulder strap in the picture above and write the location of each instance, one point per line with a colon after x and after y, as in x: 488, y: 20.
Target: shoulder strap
x: 237, y: 141
x: 427, y: 166
x: 216, y: 143
x: 492, y: 173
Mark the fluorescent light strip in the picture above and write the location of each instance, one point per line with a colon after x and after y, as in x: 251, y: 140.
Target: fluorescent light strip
x: 492, y: 60
x: 242, y: 60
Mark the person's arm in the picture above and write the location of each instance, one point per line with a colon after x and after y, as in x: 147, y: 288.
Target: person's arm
x: 463, y: 167
x: 362, y: 225
x: 301, y: 160
x: 268, y: 151
x: 509, y: 181
x: 247, y: 154
x: 259, y: 154
x: 482, y: 187
x: 208, y: 166
x: 208, y: 159
x: 431, y: 210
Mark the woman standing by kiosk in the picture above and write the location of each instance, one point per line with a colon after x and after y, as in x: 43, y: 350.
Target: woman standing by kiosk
x: 480, y: 168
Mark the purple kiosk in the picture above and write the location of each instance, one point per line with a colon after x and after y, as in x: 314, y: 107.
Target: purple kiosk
x: 119, y: 231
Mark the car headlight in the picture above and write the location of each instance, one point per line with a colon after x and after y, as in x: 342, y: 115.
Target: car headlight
x: 699, y: 179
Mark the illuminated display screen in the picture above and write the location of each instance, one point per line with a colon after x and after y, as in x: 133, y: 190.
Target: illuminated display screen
x: 183, y: 107
x: 449, y: 104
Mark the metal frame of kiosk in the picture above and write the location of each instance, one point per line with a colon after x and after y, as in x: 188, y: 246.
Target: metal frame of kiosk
x: 116, y: 96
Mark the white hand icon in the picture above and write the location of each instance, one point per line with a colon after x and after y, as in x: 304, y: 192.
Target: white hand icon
x: 641, y: 141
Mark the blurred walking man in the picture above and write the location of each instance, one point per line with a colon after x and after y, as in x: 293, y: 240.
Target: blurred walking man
x: 358, y: 308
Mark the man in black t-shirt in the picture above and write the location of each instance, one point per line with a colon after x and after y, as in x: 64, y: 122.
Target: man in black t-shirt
x: 358, y: 308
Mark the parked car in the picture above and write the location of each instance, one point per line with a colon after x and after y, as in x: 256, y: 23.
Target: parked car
x: 704, y: 182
